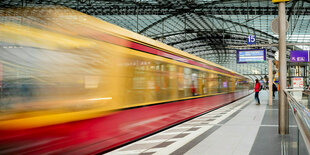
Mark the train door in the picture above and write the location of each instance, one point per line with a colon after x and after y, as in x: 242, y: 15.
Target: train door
x: 172, y: 83
x: 205, y: 83
x: 219, y: 90
x: 181, y: 82
x: 187, y: 82
x: 212, y: 83
x: 202, y: 83
x: 232, y: 84
x: 225, y: 84
x: 194, y: 84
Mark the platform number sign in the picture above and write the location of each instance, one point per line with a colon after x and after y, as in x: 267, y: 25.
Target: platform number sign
x: 251, y: 40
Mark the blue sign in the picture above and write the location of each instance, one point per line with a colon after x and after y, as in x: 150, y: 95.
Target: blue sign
x: 300, y: 56
x: 251, y: 56
x: 251, y: 40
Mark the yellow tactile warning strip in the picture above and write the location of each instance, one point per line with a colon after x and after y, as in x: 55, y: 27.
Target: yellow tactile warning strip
x: 170, y: 140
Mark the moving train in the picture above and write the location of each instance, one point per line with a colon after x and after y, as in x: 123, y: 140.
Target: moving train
x: 73, y: 84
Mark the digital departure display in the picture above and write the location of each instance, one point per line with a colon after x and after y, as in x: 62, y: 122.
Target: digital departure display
x: 251, y: 56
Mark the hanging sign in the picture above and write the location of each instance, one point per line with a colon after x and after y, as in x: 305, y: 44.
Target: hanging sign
x: 251, y: 40
x: 299, y: 56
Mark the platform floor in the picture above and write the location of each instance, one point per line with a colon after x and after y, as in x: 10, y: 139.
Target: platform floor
x: 239, y: 128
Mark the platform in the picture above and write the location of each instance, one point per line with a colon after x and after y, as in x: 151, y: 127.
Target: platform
x: 241, y: 127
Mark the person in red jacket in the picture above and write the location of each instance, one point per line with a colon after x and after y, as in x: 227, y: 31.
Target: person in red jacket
x: 256, y: 89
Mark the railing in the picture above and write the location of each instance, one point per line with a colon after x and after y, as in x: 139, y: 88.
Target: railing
x: 302, y: 117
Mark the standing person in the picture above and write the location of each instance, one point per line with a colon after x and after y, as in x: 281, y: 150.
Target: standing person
x: 274, y: 89
x: 256, y: 89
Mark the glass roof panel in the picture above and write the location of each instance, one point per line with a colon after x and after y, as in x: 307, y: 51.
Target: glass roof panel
x: 196, y: 26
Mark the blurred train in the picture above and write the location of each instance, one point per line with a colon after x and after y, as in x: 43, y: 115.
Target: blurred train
x: 73, y: 84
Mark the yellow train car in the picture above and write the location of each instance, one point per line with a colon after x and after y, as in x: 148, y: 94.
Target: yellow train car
x: 70, y: 74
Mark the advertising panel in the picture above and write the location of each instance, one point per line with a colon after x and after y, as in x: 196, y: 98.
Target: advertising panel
x: 298, y: 82
x: 299, y: 56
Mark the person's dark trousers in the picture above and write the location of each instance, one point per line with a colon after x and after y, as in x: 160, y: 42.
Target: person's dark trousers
x: 256, y: 97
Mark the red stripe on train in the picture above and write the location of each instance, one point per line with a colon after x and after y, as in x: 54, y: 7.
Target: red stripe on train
x: 104, y: 133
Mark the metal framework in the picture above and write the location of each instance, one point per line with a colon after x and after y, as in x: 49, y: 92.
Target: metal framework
x: 206, y: 28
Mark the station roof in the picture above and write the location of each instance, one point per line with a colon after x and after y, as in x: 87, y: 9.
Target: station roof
x: 210, y: 29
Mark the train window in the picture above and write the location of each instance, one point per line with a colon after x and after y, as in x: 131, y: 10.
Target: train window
x: 157, y: 81
x: 43, y: 79
x: 133, y: 80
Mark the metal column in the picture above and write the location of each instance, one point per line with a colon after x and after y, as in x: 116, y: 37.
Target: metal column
x: 283, y: 106
x: 270, y: 79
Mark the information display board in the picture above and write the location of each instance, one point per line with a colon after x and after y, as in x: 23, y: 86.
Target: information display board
x: 251, y: 56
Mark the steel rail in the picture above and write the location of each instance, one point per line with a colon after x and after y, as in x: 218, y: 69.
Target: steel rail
x: 301, y: 115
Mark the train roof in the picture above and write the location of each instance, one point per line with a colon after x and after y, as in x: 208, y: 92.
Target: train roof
x: 157, y: 44
x: 138, y: 37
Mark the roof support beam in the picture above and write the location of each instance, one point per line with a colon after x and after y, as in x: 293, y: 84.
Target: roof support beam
x: 155, y: 23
